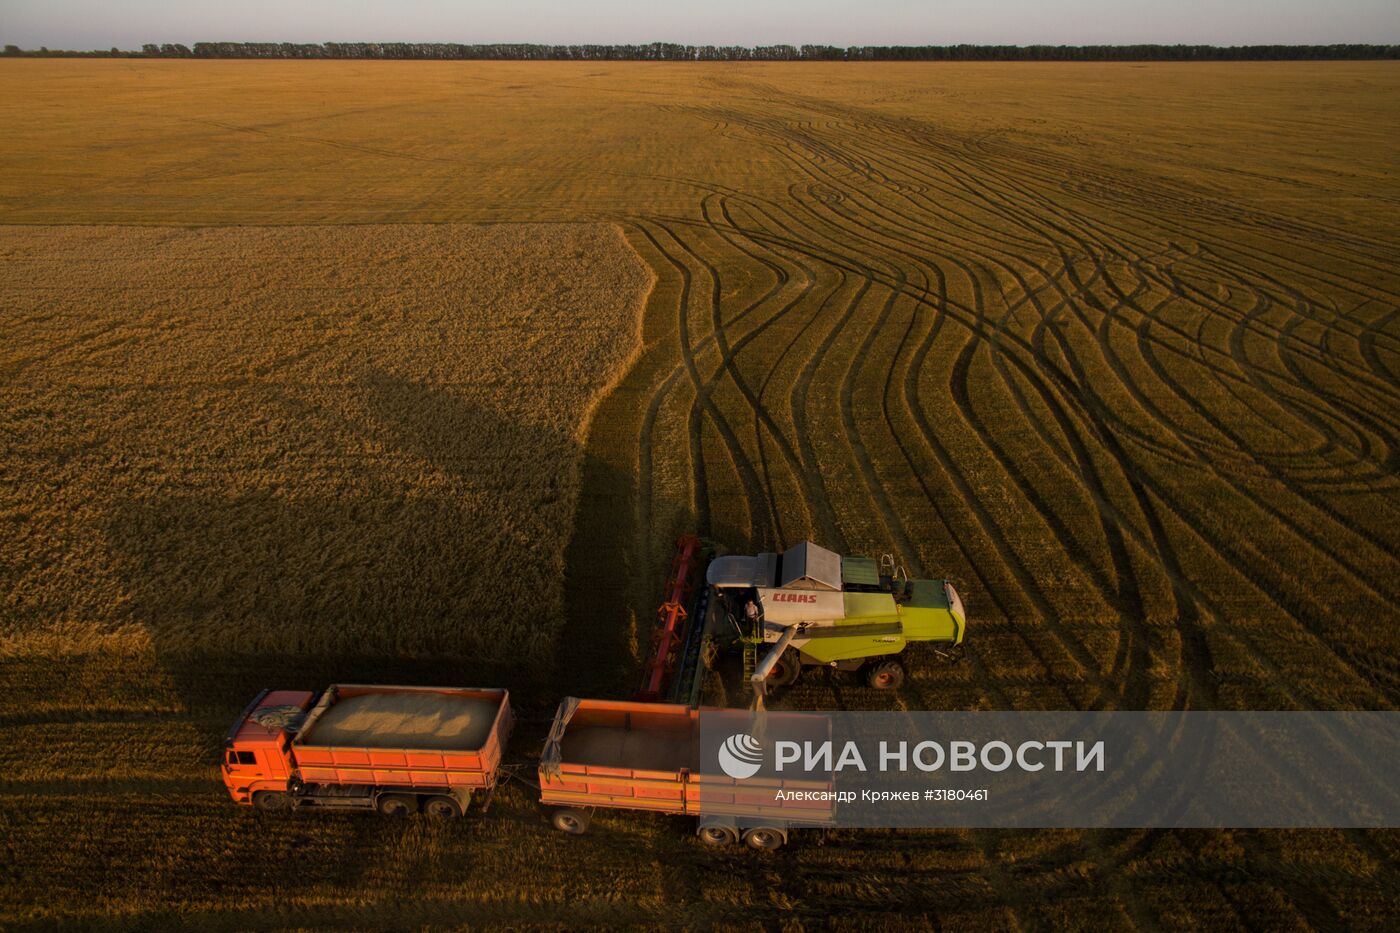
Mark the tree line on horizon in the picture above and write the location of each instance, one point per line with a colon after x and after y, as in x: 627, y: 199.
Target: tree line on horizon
x: 670, y: 51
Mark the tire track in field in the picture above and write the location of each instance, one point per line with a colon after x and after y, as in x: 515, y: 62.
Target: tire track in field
x: 973, y: 278
x: 1049, y: 615
x: 907, y: 231
x: 702, y: 407
x: 1049, y: 378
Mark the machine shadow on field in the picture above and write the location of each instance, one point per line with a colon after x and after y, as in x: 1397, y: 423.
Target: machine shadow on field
x: 409, y: 583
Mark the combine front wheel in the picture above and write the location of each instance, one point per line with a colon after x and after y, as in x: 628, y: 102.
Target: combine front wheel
x: 885, y: 675
x: 786, y: 671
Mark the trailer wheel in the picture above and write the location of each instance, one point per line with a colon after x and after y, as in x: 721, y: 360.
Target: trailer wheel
x: 885, y: 675
x: 442, y: 808
x: 270, y: 800
x: 396, y: 805
x: 717, y: 834
x: 764, y: 838
x: 571, y: 821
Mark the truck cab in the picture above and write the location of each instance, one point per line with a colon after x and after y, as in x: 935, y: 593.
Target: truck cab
x: 257, y: 749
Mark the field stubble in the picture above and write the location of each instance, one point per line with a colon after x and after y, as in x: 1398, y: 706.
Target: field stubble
x: 1114, y: 347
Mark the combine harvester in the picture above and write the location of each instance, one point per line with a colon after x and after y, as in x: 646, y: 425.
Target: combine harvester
x: 804, y: 607
x: 434, y: 750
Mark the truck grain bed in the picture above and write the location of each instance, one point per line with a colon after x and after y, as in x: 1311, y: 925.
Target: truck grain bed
x: 624, y: 747
x: 405, y: 720
x: 642, y: 756
x: 407, y: 736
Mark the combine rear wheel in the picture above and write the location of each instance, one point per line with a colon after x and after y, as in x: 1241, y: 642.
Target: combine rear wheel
x: 885, y: 675
x: 571, y: 821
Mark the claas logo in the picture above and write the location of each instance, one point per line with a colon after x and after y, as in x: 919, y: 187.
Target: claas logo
x: 794, y: 598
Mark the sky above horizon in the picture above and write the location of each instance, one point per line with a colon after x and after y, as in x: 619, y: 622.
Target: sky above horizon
x: 100, y: 24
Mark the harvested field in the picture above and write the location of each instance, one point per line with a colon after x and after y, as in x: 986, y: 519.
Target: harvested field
x: 1115, y: 347
x: 404, y: 720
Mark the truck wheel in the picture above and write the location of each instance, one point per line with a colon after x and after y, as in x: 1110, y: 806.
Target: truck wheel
x: 718, y: 834
x: 571, y: 821
x: 396, y: 805
x: 763, y: 838
x: 885, y: 675
x: 442, y: 808
x: 270, y: 800
x: 786, y: 671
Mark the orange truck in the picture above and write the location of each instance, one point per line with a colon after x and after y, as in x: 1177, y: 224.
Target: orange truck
x: 642, y: 756
x: 394, y: 750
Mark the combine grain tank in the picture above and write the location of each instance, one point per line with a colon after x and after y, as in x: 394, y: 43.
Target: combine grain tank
x: 642, y: 756
x: 395, y: 750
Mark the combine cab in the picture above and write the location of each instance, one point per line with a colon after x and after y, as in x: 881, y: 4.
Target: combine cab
x: 809, y: 606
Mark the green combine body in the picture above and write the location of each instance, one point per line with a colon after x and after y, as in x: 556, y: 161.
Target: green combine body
x: 849, y: 613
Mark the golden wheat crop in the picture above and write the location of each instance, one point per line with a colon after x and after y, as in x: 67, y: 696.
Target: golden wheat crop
x: 301, y: 439
x: 1116, y: 347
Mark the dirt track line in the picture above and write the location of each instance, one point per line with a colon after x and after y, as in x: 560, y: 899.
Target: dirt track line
x: 1280, y: 607
x: 1050, y: 615
x: 706, y: 387
x: 804, y: 469
x: 1006, y: 465
x: 1081, y: 290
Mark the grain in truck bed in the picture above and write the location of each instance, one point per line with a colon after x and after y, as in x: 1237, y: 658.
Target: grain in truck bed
x: 623, y: 747
x: 423, y: 720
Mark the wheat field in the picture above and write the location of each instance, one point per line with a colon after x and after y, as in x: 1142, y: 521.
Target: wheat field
x: 1114, y: 347
x: 304, y: 439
